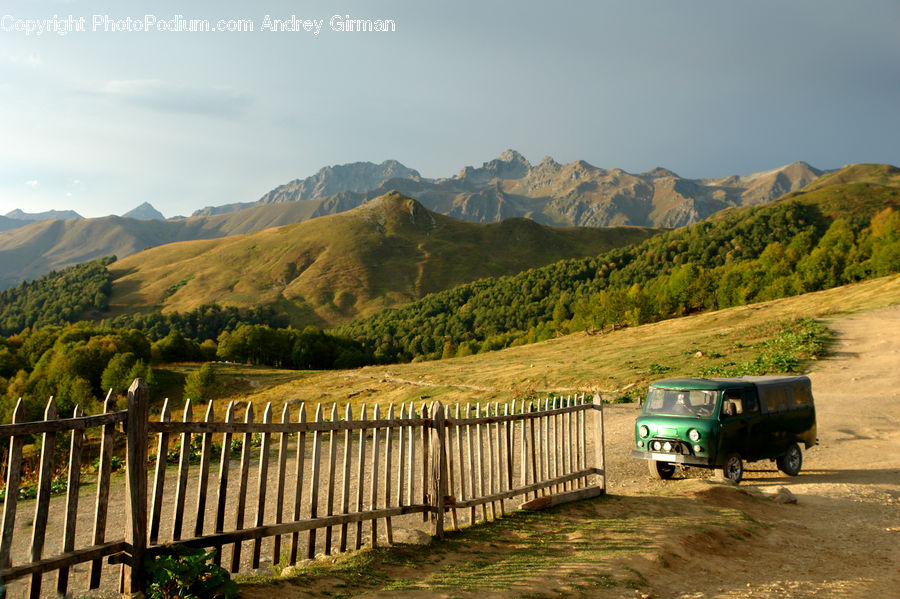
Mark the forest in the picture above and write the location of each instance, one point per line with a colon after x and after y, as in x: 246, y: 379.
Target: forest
x: 57, y: 297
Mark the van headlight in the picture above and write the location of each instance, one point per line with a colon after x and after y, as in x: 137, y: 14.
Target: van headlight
x: 643, y: 431
x: 694, y: 435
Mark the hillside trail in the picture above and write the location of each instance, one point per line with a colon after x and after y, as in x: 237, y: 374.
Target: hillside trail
x: 842, y: 538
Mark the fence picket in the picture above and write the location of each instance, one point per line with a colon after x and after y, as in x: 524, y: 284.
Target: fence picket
x: 101, y: 503
x: 523, y: 472
x: 373, y: 503
x: 13, y: 476
x: 450, y: 472
x: 299, y: 467
x: 262, y: 482
x: 534, y: 422
x: 279, y: 492
x: 42, y: 507
x: 360, y: 475
x: 479, y: 450
x: 411, y: 467
x: 401, y: 455
x: 159, y: 477
x: 559, y: 440
x: 501, y: 460
x: 222, y: 493
x: 438, y: 466
x: 457, y: 431
x: 492, y: 463
x: 332, y: 462
x: 242, y: 490
x: 74, y: 482
x: 579, y: 425
x: 183, y: 463
x: 510, y: 408
x: 425, y: 452
x: 203, y: 482
x: 388, y: 467
x: 599, y: 441
x: 570, y: 463
x: 472, y: 478
x: 314, y: 484
x: 345, y: 491
x: 543, y: 446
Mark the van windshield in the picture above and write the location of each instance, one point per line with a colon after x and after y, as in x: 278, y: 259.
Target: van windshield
x: 680, y: 402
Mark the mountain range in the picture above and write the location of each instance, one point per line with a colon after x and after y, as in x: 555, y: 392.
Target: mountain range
x: 386, y: 252
x: 574, y: 194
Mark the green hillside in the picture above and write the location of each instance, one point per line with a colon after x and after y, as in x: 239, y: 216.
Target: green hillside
x: 825, y: 236
x: 329, y: 270
x: 56, y: 298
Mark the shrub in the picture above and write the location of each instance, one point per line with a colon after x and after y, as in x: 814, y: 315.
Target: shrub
x: 187, y: 573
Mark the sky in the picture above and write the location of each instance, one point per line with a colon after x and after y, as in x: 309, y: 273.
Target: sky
x: 137, y: 107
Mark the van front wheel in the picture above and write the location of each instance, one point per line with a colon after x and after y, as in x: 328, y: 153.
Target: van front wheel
x: 661, y: 470
x: 734, y: 468
x: 791, y: 462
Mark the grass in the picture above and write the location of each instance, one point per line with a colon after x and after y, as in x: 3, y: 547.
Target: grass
x: 576, y: 548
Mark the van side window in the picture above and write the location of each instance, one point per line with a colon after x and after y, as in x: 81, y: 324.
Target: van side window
x: 776, y: 399
x: 751, y: 406
x: 732, y: 403
x: 800, y: 396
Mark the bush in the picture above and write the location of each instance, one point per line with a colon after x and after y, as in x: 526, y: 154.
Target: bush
x: 187, y: 573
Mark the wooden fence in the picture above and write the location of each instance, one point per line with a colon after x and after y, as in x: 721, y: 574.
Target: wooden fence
x: 466, y: 466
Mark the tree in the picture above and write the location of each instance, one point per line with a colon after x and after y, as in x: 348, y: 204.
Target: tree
x: 200, y: 384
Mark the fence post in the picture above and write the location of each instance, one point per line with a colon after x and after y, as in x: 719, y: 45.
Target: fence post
x: 136, y: 485
x: 599, y: 441
x: 438, y: 467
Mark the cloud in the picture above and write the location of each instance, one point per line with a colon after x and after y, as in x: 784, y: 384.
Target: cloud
x: 163, y: 96
x: 32, y: 184
x: 33, y: 60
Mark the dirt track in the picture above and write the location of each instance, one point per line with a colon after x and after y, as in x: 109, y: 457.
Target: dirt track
x: 842, y: 538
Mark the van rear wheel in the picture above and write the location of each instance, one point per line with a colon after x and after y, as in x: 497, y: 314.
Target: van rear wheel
x: 734, y: 468
x: 661, y: 470
x: 791, y: 462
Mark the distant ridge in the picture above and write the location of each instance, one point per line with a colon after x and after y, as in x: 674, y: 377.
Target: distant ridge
x: 18, y: 214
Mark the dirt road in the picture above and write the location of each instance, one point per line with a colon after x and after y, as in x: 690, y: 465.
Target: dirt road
x: 842, y: 538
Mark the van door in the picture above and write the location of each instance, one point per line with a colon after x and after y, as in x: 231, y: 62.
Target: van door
x: 733, y: 426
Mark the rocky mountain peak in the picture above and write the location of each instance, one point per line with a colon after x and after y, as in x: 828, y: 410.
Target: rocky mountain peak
x: 144, y: 212
x: 356, y: 177
x: 509, y: 165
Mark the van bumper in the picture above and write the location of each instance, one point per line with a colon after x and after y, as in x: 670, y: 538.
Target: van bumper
x: 674, y: 458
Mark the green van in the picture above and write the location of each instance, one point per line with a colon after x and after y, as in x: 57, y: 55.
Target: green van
x: 723, y: 422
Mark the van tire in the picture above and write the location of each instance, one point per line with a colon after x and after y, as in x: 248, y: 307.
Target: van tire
x: 791, y: 462
x: 733, y: 469
x: 661, y: 470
